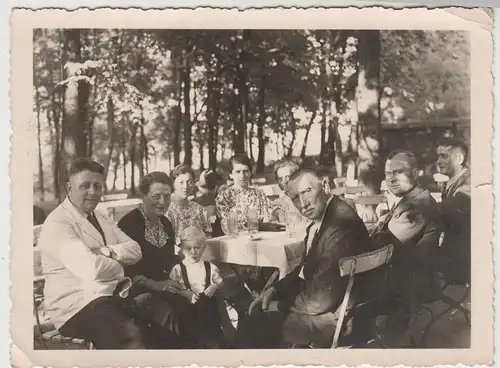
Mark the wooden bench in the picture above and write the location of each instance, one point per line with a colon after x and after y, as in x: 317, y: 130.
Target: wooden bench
x: 114, y: 197
x: 117, y: 209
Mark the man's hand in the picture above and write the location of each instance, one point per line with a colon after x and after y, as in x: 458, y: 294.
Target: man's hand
x: 263, y: 300
x: 108, y: 252
x: 211, y: 290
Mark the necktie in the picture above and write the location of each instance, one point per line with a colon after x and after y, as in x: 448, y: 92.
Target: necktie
x: 93, y: 220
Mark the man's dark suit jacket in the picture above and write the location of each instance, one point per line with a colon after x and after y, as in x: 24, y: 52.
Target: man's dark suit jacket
x: 311, y: 303
x: 414, y: 227
x: 456, y: 211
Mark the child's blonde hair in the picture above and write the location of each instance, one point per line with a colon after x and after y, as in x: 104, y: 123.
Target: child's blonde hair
x: 192, y: 235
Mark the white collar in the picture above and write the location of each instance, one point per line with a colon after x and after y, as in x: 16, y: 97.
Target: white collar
x: 190, y: 264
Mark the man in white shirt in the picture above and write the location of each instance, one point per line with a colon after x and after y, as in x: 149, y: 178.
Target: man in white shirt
x: 83, y: 254
x: 310, y: 296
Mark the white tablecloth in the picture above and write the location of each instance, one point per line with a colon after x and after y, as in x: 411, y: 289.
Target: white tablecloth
x: 271, y: 249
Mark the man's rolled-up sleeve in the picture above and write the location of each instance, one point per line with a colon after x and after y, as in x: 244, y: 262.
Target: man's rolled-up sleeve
x: 407, y: 226
x: 61, y: 242
x: 128, y: 251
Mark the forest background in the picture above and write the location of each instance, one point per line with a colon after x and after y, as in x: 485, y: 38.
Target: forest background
x: 144, y: 100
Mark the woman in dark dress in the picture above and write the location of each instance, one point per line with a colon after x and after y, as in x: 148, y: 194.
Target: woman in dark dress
x: 156, y: 295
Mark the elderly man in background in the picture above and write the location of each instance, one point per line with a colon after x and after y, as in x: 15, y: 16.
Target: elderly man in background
x: 283, y: 205
x: 309, y: 298
x: 83, y: 254
x: 413, y: 226
x: 455, y: 210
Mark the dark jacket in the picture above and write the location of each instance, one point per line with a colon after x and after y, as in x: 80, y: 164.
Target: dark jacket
x: 456, y: 213
x: 156, y: 262
x: 414, y: 227
x: 341, y: 234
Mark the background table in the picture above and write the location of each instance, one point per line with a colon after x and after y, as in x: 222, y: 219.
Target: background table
x: 272, y: 249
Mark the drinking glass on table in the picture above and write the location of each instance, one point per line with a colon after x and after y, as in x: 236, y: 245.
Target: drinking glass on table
x: 253, y: 221
x: 291, y: 223
x: 232, y: 223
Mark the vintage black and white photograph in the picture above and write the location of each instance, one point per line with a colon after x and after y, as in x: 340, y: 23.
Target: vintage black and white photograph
x: 251, y: 188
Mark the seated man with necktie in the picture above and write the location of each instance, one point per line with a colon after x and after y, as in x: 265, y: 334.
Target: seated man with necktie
x: 83, y: 254
x: 309, y: 298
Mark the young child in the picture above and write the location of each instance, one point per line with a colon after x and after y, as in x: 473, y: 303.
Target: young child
x: 201, y: 280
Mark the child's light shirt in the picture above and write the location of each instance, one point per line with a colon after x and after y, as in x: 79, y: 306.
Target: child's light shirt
x: 196, y: 274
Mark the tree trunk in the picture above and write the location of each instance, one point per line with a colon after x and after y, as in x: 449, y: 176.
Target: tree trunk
x: 176, y: 144
x: 335, y: 142
x: 200, y: 132
x: 241, y: 123
x: 293, y: 130
x: 369, y: 165
x: 93, y: 116
x: 115, y: 170
x: 57, y: 151
x: 75, y: 119
x: 306, y: 136
x: 250, y: 143
x: 132, y: 156
x: 260, y: 127
x: 124, y: 156
x: 188, y: 146
x: 111, y: 133
x: 212, y: 124
x: 323, y: 150
x: 142, y: 145
x: 39, y: 142
x: 177, y: 135
x: 76, y: 106
x: 57, y: 108
x: 146, y: 156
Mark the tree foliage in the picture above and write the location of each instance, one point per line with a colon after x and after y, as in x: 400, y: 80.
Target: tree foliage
x: 142, y: 99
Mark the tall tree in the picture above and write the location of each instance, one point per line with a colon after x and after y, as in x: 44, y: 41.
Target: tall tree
x: 368, y: 108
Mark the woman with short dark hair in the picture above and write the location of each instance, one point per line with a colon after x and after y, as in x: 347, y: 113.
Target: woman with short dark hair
x: 155, y: 294
x: 240, y: 197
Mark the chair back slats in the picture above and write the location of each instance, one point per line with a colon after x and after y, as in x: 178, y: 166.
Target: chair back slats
x: 339, y: 182
x: 366, y: 261
x: 356, y: 189
x: 354, y: 265
x: 370, y: 200
x: 343, y: 306
x: 36, y: 233
x: 37, y: 259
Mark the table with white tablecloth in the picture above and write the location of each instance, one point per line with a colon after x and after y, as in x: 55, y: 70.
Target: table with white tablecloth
x: 268, y: 249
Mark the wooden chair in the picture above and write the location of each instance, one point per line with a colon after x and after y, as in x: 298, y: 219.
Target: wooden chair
x: 370, y: 200
x: 351, y: 266
x: 339, y: 182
